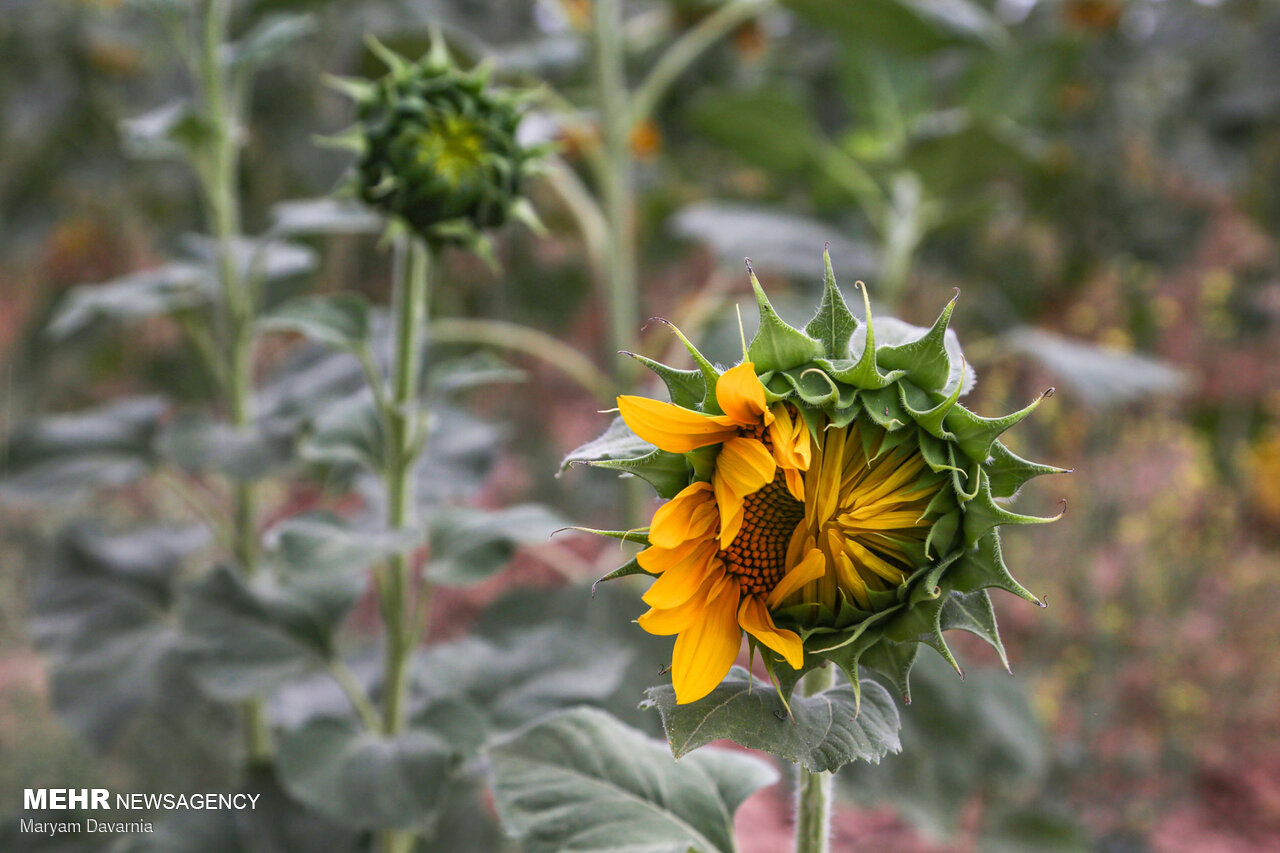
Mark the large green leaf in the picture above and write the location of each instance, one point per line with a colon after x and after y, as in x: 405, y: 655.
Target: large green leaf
x: 276, y: 824
x: 476, y: 687
x: 103, y: 612
x: 469, y: 545
x: 1099, y: 376
x: 365, y: 779
x: 245, y: 636
x: 916, y: 25
x: 767, y: 128
x: 169, y: 288
x: 57, y: 458
x: 580, y: 780
x: 242, y: 639
x: 823, y: 732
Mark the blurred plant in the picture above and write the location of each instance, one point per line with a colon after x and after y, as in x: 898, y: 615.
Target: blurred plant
x: 836, y: 513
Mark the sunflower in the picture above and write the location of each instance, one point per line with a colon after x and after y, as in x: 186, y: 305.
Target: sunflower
x: 836, y: 504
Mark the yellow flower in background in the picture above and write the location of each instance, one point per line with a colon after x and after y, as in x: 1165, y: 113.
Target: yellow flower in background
x: 834, y: 503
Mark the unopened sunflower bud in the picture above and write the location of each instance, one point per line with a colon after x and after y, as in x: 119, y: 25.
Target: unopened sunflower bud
x: 436, y: 146
x: 829, y: 497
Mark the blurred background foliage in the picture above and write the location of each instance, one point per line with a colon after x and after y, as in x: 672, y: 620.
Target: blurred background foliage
x: 1101, y: 179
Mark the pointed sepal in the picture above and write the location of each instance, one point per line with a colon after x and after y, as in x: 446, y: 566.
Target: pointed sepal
x: 1008, y: 472
x: 925, y: 359
x: 833, y: 326
x: 777, y: 344
x: 975, y: 434
x: 687, y: 388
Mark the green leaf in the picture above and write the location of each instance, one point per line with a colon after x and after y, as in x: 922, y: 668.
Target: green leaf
x: 912, y: 25
x: 320, y: 544
x: 276, y: 824
x: 824, y: 732
x: 167, y: 289
x: 241, y: 640
x: 833, y: 325
x: 469, y: 545
x: 324, y: 216
x: 617, y: 442
x: 103, y: 615
x: 255, y: 258
x: 778, y: 345
x: 339, y: 320
x: 269, y: 37
x: 767, y: 128
x: 499, y: 684
x: 668, y: 473
x: 1098, y: 376
x: 58, y: 458
x: 196, y: 443
x: 365, y: 779
x: 176, y: 130
x: 582, y: 781
x: 350, y: 431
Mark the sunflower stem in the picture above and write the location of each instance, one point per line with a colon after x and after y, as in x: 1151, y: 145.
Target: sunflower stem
x: 813, y: 790
x: 218, y: 169
x: 404, y: 418
x: 616, y: 184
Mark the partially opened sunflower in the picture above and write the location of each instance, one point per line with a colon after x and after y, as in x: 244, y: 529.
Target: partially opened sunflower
x: 829, y: 497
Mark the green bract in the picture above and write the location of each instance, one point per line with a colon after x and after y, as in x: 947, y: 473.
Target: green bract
x: 436, y: 146
x: 896, y: 388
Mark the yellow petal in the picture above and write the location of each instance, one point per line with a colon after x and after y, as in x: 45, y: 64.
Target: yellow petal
x: 790, y: 439
x: 707, y: 648
x: 745, y: 465
x: 741, y: 396
x: 683, y: 517
x: 655, y: 560
x: 730, y: 506
x: 673, y: 428
x: 756, y: 621
x: 808, y: 570
x: 664, y: 622
x: 679, y: 582
x: 795, y: 484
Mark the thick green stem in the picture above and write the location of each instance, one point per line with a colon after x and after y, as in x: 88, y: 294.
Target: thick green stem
x: 405, y: 420
x: 219, y: 173
x: 616, y: 186
x: 813, y: 790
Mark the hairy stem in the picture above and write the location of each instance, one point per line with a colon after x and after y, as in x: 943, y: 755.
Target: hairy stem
x: 219, y: 177
x: 404, y: 419
x: 813, y: 790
